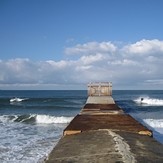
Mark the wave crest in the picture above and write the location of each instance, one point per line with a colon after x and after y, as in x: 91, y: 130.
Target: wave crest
x: 46, y: 119
x: 155, y: 123
x: 35, y: 119
x: 149, y: 101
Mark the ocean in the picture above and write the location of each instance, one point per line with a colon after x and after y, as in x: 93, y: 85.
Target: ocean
x: 31, y: 126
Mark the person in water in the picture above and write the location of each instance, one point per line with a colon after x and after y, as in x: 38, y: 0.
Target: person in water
x: 142, y: 99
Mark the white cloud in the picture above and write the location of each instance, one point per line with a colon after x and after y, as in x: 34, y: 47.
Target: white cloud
x: 91, y: 48
x: 92, y: 58
x: 144, y: 47
x: 127, y: 62
x: 137, y: 65
x: 124, y: 62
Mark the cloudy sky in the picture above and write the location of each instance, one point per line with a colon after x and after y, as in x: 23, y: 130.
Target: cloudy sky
x: 67, y: 43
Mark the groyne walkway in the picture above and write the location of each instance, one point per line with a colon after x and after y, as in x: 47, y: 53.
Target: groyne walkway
x: 103, y: 133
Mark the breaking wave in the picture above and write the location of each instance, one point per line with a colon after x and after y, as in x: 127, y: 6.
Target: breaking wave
x: 52, y: 119
x: 155, y: 123
x: 15, y: 99
x: 149, y: 101
x: 35, y: 119
x: 156, y: 126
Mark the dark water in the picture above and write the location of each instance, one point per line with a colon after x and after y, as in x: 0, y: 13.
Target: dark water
x: 149, y: 112
x: 31, y: 127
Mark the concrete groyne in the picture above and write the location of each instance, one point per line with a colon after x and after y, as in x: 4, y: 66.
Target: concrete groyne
x: 103, y: 133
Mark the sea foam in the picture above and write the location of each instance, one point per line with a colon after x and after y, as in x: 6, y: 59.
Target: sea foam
x: 157, y: 127
x: 46, y: 119
x: 34, y: 118
x: 149, y: 101
x: 155, y: 123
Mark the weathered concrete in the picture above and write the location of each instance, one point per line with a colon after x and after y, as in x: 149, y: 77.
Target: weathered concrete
x: 100, y: 100
x: 106, y: 146
x: 103, y: 133
x: 87, y: 147
x: 117, y: 122
x: 144, y: 148
x: 101, y: 109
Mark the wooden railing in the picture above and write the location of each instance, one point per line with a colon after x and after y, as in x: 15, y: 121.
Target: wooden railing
x: 99, y: 88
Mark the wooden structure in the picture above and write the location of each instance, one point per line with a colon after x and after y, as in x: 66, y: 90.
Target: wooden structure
x: 99, y: 88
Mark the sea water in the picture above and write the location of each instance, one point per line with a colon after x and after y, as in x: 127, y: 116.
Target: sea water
x: 146, y: 106
x: 31, y: 126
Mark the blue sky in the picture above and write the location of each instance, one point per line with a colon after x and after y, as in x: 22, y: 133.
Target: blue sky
x: 67, y: 43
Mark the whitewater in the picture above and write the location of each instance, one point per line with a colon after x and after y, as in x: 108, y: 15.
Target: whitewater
x: 145, y: 100
x: 23, y: 142
x: 31, y: 127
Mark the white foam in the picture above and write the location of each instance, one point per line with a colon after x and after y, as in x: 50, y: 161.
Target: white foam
x: 3, y: 119
x: 40, y: 119
x: 149, y: 101
x: 46, y: 119
x: 157, y: 128
x: 26, y: 143
x: 17, y: 99
x: 155, y: 123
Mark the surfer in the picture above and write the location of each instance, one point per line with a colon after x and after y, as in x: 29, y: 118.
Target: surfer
x: 142, y: 99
